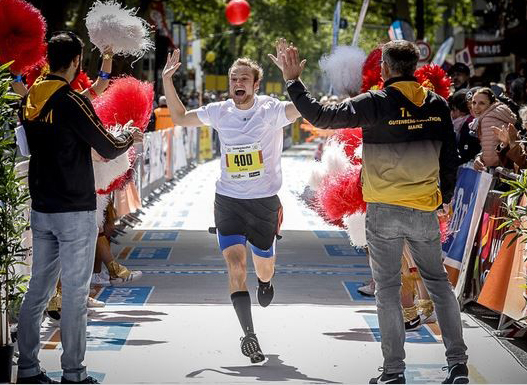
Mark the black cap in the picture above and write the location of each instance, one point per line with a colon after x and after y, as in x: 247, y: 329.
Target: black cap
x: 459, y: 67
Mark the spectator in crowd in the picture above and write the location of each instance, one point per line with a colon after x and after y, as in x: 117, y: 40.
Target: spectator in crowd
x: 63, y: 219
x: 518, y: 93
x: 488, y: 112
x: 460, y: 75
x: 117, y: 273
x: 467, y: 142
x: 193, y: 100
x: 511, y: 150
x: 162, y: 115
x: 511, y: 76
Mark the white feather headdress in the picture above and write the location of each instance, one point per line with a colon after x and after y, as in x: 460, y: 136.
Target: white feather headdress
x: 343, y: 67
x: 110, y: 25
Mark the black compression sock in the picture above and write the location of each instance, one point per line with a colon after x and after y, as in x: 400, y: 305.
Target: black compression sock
x: 241, y: 300
x: 262, y: 283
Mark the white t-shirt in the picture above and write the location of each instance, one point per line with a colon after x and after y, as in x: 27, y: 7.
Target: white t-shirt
x: 251, y: 146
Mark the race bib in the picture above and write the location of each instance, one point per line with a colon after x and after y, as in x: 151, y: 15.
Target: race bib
x: 244, y: 162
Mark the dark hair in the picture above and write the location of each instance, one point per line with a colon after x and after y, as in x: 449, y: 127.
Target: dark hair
x: 63, y: 47
x: 470, y: 93
x: 401, y: 56
x: 511, y: 76
x: 458, y: 101
x: 488, y: 92
x: 517, y: 90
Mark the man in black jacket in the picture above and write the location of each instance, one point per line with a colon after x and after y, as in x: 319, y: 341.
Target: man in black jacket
x: 62, y: 128
x: 409, y: 147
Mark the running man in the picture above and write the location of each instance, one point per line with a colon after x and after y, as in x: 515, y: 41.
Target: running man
x: 246, y: 206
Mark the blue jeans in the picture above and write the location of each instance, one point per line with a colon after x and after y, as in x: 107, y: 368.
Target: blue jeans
x: 61, y: 242
x: 387, y: 228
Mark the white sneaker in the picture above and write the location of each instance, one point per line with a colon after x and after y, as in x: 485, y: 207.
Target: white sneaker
x: 126, y: 276
x: 92, y: 302
x: 430, y: 319
x: 100, y: 279
x: 368, y: 289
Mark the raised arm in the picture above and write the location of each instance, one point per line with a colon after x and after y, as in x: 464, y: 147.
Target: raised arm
x: 179, y: 114
x: 103, y: 80
x: 343, y: 115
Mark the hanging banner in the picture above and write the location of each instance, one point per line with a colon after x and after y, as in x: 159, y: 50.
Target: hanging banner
x: 515, y: 305
x: 157, y: 164
x: 205, y: 143
x: 494, y: 290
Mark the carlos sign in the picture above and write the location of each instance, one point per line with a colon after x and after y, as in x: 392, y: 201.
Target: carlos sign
x: 479, y: 48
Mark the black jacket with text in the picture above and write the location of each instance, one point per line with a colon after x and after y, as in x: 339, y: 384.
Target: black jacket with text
x: 409, y: 150
x: 61, y: 128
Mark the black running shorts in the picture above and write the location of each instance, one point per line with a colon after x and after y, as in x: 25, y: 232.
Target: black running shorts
x: 257, y: 219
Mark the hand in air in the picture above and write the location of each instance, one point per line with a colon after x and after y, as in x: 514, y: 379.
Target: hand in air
x: 292, y: 66
x: 172, y: 64
x: 281, y: 46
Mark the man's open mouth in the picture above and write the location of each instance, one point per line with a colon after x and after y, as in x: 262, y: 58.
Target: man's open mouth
x: 239, y: 92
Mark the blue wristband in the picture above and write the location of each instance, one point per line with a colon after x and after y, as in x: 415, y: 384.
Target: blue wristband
x: 18, y: 79
x: 104, y: 75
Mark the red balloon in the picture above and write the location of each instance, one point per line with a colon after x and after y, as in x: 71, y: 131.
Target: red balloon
x: 237, y: 11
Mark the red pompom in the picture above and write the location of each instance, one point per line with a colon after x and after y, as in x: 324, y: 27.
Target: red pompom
x: 81, y: 82
x: 371, y: 71
x: 434, y: 78
x: 126, y: 99
x: 34, y: 72
x: 352, y: 138
x: 22, y: 35
x: 342, y: 194
x: 119, y: 183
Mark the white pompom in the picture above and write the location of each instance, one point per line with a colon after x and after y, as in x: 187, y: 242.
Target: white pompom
x: 317, y: 174
x: 334, y: 161
x: 106, y: 171
x: 109, y: 25
x: 343, y: 67
x: 334, y: 157
x: 356, y: 228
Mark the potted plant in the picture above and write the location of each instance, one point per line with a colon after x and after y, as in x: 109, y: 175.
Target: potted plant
x: 13, y: 222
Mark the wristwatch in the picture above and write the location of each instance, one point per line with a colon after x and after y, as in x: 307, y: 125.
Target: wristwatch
x: 289, y: 82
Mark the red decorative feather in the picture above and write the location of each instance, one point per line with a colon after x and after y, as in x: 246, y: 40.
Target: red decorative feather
x: 22, y: 35
x: 342, y: 194
x: 371, y: 71
x: 434, y: 78
x: 81, y: 82
x: 352, y: 138
x: 126, y: 99
x: 34, y: 72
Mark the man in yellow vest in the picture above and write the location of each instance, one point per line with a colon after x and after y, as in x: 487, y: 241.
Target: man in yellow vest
x: 162, y: 115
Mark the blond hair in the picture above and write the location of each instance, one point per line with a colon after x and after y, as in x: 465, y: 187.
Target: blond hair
x: 255, y: 67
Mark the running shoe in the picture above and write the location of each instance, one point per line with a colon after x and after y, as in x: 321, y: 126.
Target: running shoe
x: 87, y: 380
x: 120, y: 274
x: 92, y: 303
x: 41, y: 378
x: 457, y: 374
x: 100, y: 279
x: 385, y: 378
x: 413, y: 324
x: 251, y: 348
x: 265, y: 293
x: 368, y: 289
x: 428, y: 314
